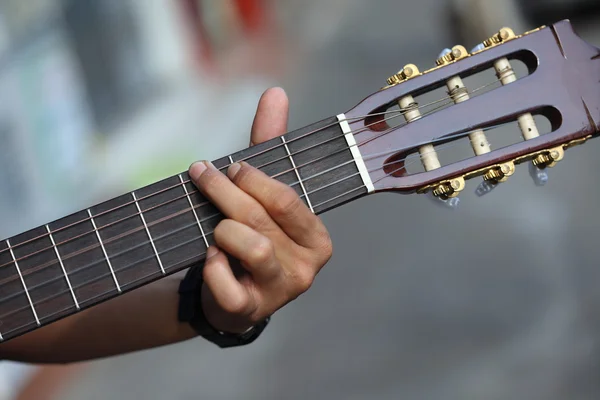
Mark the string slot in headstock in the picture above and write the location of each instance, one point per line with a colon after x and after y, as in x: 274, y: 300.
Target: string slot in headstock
x: 558, y: 77
x: 457, y: 148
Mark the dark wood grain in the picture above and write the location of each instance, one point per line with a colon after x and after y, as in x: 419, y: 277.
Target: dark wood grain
x: 176, y: 221
x: 564, y: 77
x: 14, y: 306
x: 168, y: 235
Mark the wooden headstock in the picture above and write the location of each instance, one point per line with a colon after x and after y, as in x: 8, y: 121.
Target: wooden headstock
x: 563, y: 85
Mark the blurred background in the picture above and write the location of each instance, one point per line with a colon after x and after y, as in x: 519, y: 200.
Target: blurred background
x: 497, y: 299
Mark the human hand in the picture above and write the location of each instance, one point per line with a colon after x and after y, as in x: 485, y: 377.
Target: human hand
x: 280, y: 244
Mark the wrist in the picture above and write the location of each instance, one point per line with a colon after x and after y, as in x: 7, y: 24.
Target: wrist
x: 191, y: 311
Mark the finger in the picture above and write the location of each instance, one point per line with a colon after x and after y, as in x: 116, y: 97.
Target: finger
x: 255, y: 251
x: 230, y: 199
x: 271, y: 116
x: 281, y: 202
x: 227, y: 291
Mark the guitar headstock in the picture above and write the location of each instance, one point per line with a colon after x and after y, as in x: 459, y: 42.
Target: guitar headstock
x: 561, y: 84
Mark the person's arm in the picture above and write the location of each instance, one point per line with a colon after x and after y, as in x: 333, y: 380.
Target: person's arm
x: 280, y: 243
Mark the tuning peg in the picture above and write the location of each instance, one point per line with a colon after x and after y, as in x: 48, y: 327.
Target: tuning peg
x: 451, y: 203
x: 484, y: 188
x: 539, y: 176
x: 444, y: 52
x: 494, y: 176
x: 477, y: 48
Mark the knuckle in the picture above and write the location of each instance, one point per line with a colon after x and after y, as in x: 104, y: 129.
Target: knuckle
x: 262, y: 251
x: 304, y: 281
x: 235, y: 305
x: 244, y: 176
x: 258, y: 219
x: 326, y: 246
x: 286, y: 203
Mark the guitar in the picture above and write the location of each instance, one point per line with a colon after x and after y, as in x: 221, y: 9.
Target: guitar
x: 390, y: 141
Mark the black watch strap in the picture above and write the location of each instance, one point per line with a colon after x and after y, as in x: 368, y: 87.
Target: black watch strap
x: 190, y: 311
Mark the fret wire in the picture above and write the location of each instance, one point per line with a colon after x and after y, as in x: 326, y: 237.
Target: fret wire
x: 168, y: 250
x: 169, y: 188
x: 104, y: 251
x: 354, y: 120
x: 98, y: 278
x: 231, y: 160
x: 206, y: 219
x: 62, y: 266
x: 193, y: 208
x: 186, y: 190
x: 320, y: 204
x: 274, y: 176
x: 137, y: 204
x: 37, y: 320
x: 217, y: 215
x: 194, y: 211
x: 287, y: 149
x: 313, y: 176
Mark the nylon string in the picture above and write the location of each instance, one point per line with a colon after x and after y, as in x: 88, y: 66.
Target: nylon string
x: 398, y: 113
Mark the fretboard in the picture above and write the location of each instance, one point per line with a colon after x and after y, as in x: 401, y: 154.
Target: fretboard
x: 117, y: 246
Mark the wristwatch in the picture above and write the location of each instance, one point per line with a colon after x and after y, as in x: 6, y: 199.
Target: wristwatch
x: 190, y: 311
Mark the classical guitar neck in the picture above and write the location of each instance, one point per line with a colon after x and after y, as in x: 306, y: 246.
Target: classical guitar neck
x: 111, y: 248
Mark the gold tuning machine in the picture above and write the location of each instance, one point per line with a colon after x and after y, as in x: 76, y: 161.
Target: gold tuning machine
x: 409, y: 71
x: 549, y: 158
x: 449, y: 189
x: 504, y: 35
x: 455, y: 54
x: 500, y: 173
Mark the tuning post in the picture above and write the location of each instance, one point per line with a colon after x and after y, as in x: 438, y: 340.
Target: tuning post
x: 527, y: 125
x: 410, y: 109
x: 459, y: 93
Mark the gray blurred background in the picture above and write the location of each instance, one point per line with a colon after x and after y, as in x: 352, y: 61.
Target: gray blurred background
x: 498, y: 299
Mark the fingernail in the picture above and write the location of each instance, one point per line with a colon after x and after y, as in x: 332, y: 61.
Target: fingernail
x: 211, y: 252
x: 197, y: 169
x: 233, y: 170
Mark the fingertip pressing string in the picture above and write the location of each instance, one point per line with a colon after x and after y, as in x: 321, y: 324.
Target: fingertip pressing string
x: 398, y: 113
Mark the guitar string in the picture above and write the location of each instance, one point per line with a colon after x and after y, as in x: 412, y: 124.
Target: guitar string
x: 187, y: 195
x: 179, y: 184
x: 462, y: 134
x: 95, y: 279
x: 9, y: 264
x: 400, y: 112
x: 187, y: 261
x: 162, y: 220
x: 442, y: 147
